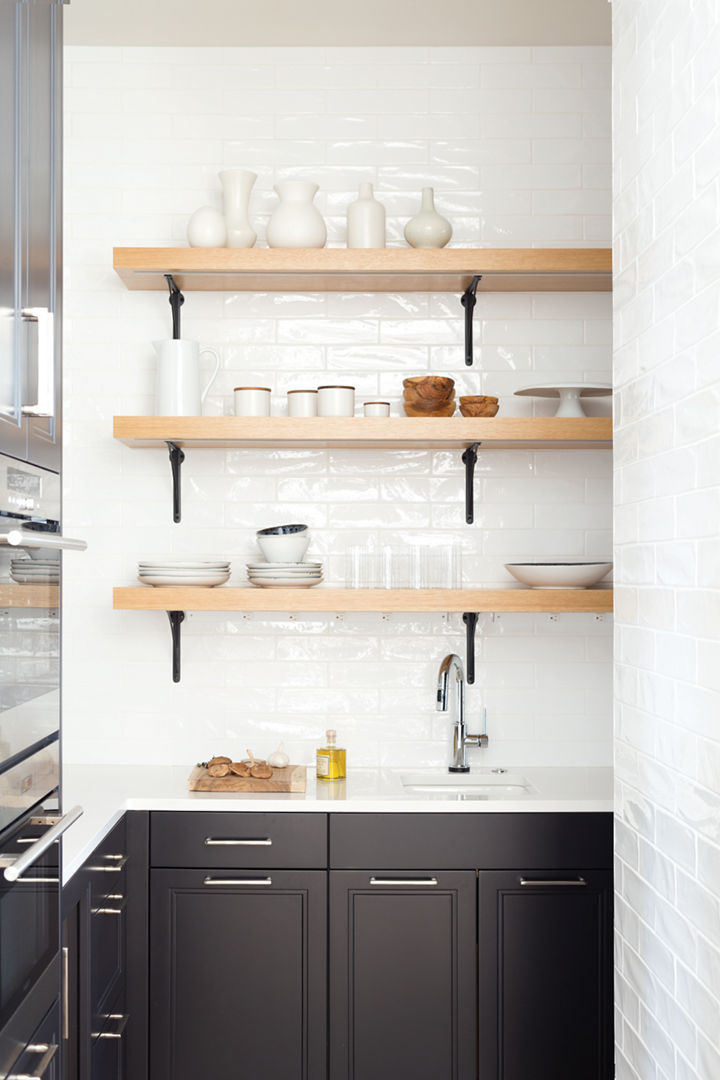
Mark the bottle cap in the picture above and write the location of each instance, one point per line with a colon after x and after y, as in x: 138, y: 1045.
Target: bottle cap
x: 331, y: 735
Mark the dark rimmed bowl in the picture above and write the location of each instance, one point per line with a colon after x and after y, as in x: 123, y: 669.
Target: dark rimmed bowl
x: 282, y: 530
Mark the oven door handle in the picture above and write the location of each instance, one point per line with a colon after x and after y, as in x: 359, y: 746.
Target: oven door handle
x: 21, y: 864
x: 18, y: 538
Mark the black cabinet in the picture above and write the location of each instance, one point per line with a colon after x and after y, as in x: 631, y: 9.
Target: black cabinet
x: 545, y: 969
x: 238, y: 971
x: 105, y: 958
x: 402, y: 975
x: 41, y: 1057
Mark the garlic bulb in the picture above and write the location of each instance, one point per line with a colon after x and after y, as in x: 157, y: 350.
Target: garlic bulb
x: 279, y: 759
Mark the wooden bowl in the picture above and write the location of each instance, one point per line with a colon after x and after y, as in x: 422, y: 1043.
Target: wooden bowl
x: 477, y: 408
x: 439, y: 410
x: 432, y: 387
x: 423, y: 405
x: 471, y: 399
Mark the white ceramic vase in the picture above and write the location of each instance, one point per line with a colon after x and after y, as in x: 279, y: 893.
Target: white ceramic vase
x: 178, y: 390
x: 237, y: 185
x: 428, y: 229
x: 296, y: 223
x: 366, y: 220
x: 206, y: 228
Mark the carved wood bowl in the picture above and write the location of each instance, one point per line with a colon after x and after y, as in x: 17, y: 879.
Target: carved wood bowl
x: 423, y: 405
x: 479, y: 406
x: 430, y: 387
x: 443, y: 409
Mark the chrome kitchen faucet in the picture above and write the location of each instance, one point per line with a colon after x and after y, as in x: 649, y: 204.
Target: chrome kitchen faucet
x: 459, y: 738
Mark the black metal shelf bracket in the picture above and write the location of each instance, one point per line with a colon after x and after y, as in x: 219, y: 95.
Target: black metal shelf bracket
x: 176, y: 302
x: 469, y: 460
x: 176, y: 618
x: 177, y: 457
x: 470, y: 619
x: 468, y: 301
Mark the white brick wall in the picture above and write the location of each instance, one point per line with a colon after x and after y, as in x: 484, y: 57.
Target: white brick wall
x: 516, y: 142
x: 667, y: 506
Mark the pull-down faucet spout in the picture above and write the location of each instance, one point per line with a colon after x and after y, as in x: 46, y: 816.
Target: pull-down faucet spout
x: 459, y: 738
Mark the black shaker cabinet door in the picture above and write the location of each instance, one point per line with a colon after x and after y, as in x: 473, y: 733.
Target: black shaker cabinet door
x: 545, y: 965
x: 237, y: 974
x: 402, y: 975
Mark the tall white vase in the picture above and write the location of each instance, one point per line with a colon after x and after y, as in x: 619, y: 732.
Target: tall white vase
x: 296, y: 223
x: 237, y: 185
x: 366, y: 220
x: 428, y: 229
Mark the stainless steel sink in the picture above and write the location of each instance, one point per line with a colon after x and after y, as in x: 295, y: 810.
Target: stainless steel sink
x: 467, y: 785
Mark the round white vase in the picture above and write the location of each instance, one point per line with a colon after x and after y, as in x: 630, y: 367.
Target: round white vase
x: 206, y: 228
x: 428, y: 229
x: 296, y: 223
x: 366, y: 220
x: 237, y: 185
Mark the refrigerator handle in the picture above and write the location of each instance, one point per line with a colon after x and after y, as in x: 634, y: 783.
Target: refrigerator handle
x: 18, y: 538
x: 45, y: 404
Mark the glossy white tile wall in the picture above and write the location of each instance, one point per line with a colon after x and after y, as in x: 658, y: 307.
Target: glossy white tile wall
x: 516, y: 143
x: 667, y: 484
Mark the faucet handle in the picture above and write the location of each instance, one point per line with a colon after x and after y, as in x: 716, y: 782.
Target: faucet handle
x: 481, y: 739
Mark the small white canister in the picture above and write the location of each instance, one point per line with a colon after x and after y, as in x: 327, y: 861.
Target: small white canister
x: 302, y: 402
x: 252, y: 400
x: 336, y: 400
x: 376, y: 408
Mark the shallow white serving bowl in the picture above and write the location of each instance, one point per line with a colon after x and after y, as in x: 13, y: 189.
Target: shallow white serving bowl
x: 559, y: 575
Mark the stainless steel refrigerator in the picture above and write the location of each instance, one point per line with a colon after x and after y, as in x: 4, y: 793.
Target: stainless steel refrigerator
x: 31, y: 536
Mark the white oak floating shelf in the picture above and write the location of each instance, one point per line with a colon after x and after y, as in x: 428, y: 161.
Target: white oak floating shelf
x: 377, y: 270
x: 29, y: 596
x: 394, y: 432
x: 250, y: 598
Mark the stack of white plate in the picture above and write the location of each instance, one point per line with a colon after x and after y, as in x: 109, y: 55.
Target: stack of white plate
x: 35, y: 571
x: 285, y: 575
x: 177, y: 572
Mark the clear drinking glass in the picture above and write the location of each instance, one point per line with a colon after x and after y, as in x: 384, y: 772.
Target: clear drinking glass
x: 445, y: 566
x: 360, y: 568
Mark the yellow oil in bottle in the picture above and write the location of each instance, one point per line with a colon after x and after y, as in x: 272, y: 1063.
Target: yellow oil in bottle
x: 330, y: 759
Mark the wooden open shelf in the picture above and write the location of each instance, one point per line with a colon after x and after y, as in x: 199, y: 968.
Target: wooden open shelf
x: 394, y: 432
x: 379, y: 270
x: 319, y: 598
x: 29, y: 596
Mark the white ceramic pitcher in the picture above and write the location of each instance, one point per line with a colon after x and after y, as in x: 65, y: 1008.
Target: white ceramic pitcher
x: 177, y: 381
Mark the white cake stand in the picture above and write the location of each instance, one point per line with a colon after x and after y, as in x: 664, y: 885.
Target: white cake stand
x: 570, y: 396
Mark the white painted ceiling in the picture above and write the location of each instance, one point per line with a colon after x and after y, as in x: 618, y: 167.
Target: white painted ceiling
x: 338, y: 22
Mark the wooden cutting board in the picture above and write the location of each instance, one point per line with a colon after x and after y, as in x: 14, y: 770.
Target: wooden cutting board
x: 291, y: 778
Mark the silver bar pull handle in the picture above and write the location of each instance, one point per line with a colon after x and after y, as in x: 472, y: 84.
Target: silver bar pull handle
x: 48, y: 1053
x: 237, y: 881
x: 403, y: 881
x: 211, y: 841
x: 45, y: 404
x: 577, y: 882
x: 65, y: 993
x: 122, y: 1019
x: 18, y: 538
x: 13, y: 872
x: 117, y: 868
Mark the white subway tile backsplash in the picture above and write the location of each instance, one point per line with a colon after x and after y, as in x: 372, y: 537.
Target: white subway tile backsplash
x: 507, y: 167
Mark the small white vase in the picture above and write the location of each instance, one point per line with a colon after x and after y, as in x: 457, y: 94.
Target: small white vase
x: 366, y: 220
x: 237, y: 185
x: 296, y: 223
x: 428, y: 229
x: 206, y: 228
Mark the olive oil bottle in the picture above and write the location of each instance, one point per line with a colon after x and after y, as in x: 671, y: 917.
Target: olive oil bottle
x: 330, y: 759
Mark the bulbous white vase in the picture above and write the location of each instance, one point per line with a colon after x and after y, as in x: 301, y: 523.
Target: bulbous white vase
x: 428, y: 229
x: 296, y: 223
x: 206, y: 228
x: 237, y: 185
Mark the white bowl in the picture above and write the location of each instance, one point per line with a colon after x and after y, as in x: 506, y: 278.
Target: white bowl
x: 559, y: 575
x: 288, y: 547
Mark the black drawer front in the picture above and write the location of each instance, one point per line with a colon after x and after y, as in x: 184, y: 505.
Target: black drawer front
x: 470, y: 841
x: 248, y: 840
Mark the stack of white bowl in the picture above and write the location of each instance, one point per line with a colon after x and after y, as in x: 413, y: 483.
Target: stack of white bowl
x: 284, y: 547
x: 35, y: 571
x: 181, y: 572
x: 284, y: 575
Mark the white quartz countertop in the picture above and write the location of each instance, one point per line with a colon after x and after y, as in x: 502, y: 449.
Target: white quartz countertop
x: 105, y: 792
